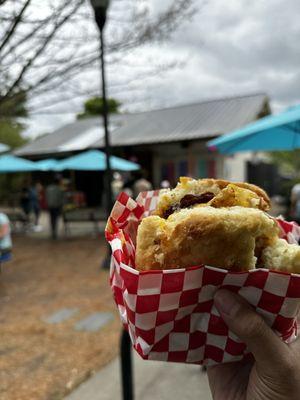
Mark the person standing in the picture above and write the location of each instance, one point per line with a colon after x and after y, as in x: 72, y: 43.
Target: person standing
x: 5, y: 239
x: 34, y: 197
x: 55, y: 201
x: 141, y: 184
x: 295, y: 202
x: 25, y: 202
x: 128, y: 185
x: 165, y: 184
x: 116, y: 185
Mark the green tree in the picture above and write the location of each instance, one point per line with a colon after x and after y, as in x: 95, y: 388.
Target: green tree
x: 10, y: 133
x: 288, y: 162
x: 14, y: 105
x: 10, y: 127
x: 289, y: 165
x: 94, y: 106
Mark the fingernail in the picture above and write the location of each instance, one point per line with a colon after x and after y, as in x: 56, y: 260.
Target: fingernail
x: 225, y: 302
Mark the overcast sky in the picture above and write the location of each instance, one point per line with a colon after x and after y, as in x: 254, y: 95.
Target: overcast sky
x: 228, y: 48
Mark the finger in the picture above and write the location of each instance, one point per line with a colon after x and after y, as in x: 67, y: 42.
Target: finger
x: 267, y: 349
x: 227, y: 377
x: 295, y: 345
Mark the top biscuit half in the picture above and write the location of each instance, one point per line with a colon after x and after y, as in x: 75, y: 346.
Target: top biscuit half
x: 216, y: 193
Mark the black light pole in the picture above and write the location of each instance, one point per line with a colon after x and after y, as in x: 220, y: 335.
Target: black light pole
x: 100, y: 8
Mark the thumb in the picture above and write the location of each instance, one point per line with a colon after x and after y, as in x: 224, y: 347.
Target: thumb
x: 242, y: 320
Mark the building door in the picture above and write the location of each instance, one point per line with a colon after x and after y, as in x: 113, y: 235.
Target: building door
x: 207, y: 168
x: 264, y: 175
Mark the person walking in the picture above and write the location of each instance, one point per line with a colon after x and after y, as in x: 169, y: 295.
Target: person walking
x: 55, y: 201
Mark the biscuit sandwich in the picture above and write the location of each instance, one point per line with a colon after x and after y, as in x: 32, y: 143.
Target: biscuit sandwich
x: 213, y: 222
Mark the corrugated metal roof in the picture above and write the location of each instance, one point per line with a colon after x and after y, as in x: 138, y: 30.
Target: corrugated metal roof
x: 193, y: 121
x: 67, y: 138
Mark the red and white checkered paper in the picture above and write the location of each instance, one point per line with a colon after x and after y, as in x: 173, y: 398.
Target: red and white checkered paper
x: 170, y: 314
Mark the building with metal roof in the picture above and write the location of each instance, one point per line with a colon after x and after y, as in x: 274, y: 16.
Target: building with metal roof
x: 168, y: 142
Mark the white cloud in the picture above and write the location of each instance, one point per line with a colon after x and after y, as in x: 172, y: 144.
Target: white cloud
x: 229, y: 48
x: 41, y: 124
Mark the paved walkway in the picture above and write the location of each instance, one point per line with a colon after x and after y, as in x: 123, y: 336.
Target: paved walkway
x: 153, y: 380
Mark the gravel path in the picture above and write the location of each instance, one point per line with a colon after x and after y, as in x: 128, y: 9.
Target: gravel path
x: 43, y: 360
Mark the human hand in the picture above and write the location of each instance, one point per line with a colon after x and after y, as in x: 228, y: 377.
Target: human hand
x: 275, y: 372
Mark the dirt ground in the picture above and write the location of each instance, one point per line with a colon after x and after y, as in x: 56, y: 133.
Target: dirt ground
x: 45, y: 361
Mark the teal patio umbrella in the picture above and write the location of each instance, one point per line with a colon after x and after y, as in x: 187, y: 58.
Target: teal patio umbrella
x: 271, y: 133
x: 50, y: 164
x: 94, y: 160
x: 10, y: 163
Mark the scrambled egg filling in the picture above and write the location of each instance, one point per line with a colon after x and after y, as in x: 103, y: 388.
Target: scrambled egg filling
x: 230, y: 196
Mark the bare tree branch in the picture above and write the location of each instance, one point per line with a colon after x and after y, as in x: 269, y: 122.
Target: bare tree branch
x: 2, y: 2
x: 42, y: 48
x: 40, y: 52
x: 14, y: 25
x: 23, y: 39
x: 70, y: 92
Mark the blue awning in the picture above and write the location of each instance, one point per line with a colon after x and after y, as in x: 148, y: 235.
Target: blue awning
x: 10, y: 163
x: 95, y: 160
x: 50, y: 164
